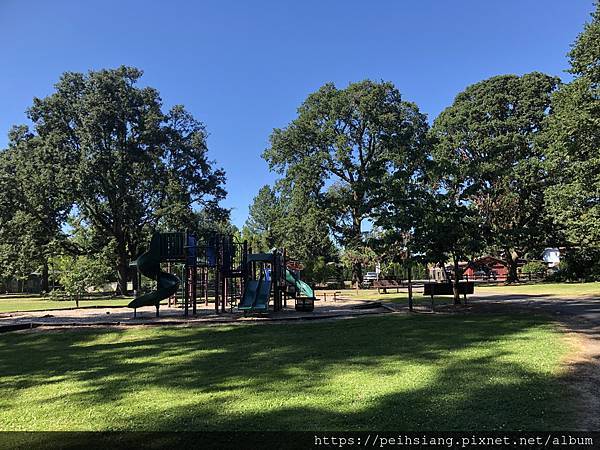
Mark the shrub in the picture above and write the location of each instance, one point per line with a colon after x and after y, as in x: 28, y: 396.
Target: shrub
x: 581, y: 264
x: 534, y: 268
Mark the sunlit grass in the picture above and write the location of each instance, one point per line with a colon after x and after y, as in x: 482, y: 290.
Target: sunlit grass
x: 550, y: 289
x: 13, y: 304
x: 390, y: 372
x: 546, y: 289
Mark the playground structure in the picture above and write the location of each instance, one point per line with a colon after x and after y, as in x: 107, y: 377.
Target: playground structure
x: 219, y: 267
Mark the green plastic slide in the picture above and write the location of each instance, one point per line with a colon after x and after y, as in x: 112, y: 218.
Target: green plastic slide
x: 256, y: 295
x: 301, y: 286
x: 149, y: 265
x: 249, y: 296
x: 263, y: 296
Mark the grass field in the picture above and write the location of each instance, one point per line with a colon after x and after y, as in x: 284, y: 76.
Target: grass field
x: 549, y: 289
x: 13, y: 304
x: 389, y: 372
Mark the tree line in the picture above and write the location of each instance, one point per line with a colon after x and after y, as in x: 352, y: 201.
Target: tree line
x: 510, y: 167
x: 102, y: 166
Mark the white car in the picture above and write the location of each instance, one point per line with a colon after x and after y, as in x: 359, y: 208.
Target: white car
x: 371, y: 276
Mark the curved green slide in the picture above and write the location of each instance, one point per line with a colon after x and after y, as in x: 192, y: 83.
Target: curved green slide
x: 149, y: 265
x: 301, y: 286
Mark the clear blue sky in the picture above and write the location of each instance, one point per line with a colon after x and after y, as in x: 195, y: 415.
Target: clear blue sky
x: 244, y: 67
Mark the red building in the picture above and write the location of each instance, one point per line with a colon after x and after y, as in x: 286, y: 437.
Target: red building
x: 487, y: 267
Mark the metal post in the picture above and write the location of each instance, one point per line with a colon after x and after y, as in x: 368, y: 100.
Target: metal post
x: 205, y: 275
x: 169, y: 270
x: 217, y: 276
x: 185, y: 291
x: 410, y: 292
x: 223, y: 292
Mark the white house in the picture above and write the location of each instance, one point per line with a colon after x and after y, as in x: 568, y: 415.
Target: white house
x: 551, y: 256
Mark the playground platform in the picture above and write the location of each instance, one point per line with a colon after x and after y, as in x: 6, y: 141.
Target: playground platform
x: 174, y: 315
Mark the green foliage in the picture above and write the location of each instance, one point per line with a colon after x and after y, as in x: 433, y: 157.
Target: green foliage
x: 572, y: 141
x: 285, y: 216
x: 534, y: 268
x: 262, y: 227
x: 126, y: 166
x: 340, y: 148
x: 363, y: 256
x: 34, y: 205
x: 579, y: 264
x: 320, y: 271
x: 490, y: 170
x: 79, y: 274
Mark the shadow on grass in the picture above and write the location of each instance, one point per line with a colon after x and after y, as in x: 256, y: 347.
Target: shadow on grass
x: 385, y: 373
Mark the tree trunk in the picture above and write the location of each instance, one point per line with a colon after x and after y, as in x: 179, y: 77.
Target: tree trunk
x: 511, y: 262
x: 45, y: 278
x: 122, y: 268
x: 357, y: 273
x: 455, y: 284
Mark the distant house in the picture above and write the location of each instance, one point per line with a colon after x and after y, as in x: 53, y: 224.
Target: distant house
x: 486, y: 267
x: 489, y: 267
x: 551, y: 256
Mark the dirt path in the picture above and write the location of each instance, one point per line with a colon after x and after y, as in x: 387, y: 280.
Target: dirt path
x: 580, y: 317
x: 583, y: 371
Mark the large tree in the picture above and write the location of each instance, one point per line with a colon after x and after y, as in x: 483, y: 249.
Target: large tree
x: 264, y: 216
x: 287, y: 216
x: 130, y: 165
x: 36, y: 202
x: 572, y: 140
x: 340, y: 148
x: 487, y: 159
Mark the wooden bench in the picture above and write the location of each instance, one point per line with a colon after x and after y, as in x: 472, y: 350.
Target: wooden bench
x: 447, y: 288
x: 384, y: 285
x: 393, y: 284
x: 380, y: 286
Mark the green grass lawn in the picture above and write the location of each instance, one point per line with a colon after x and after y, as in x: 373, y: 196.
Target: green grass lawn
x: 551, y: 289
x: 372, y: 294
x: 14, y: 304
x: 547, y: 289
x: 396, y: 372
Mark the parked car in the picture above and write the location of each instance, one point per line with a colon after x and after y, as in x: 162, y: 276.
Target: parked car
x: 371, y: 276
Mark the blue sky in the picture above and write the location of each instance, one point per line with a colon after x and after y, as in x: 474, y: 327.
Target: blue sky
x: 244, y: 67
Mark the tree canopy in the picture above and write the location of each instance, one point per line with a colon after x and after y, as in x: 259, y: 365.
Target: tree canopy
x: 340, y: 148
x: 572, y: 140
x: 490, y: 168
x: 128, y: 167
